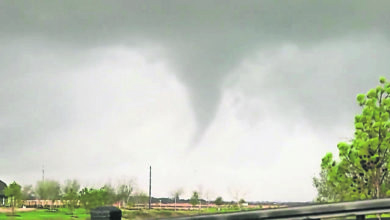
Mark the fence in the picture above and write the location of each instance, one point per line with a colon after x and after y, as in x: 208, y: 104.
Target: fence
x: 359, y: 209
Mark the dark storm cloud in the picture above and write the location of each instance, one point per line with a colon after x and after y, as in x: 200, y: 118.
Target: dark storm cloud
x: 323, y: 80
x: 205, y: 39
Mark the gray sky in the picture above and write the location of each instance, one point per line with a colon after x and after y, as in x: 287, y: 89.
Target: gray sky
x: 226, y: 96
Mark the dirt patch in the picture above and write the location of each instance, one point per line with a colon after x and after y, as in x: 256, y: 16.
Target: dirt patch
x: 9, y: 210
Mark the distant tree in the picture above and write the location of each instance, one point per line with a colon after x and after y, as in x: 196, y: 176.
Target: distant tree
x: 143, y: 198
x: 91, y: 198
x: 40, y: 190
x: 28, y: 192
x: 176, y: 195
x: 194, y: 198
x: 53, y: 191
x: 218, y: 202
x: 207, y: 195
x: 48, y: 190
x: 200, y: 195
x: 124, y: 192
x: 14, y: 194
x: 140, y: 198
x: 237, y: 193
x: 86, y: 198
x: 241, y: 202
x: 71, y: 194
x: 109, y: 195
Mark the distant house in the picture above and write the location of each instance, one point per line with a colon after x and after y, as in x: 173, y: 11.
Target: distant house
x: 2, y: 196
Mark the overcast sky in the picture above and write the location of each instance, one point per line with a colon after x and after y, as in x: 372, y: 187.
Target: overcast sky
x: 229, y: 97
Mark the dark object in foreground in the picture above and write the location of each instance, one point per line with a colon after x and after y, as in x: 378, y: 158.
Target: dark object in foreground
x: 336, y: 210
x: 106, y: 213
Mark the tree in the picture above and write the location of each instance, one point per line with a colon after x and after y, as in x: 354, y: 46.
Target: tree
x: 28, y: 192
x: 139, y: 198
x: 326, y: 190
x: 109, y: 195
x: 124, y: 192
x: 200, y: 195
x: 194, y: 198
x: 237, y: 193
x: 48, y: 190
x: 40, y: 190
x: 176, y: 195
x: 71, y: 194
x: 86, y: 198
x: 242, y: 201
x: 14, y: 194
x: 362, y: 170
x: 92, y: 198
x: 207, y: 195
x: 218, y: 202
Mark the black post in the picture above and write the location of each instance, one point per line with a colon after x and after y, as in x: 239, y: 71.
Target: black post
x: 106, y: 213
x: 360, y: 217
x: 150, y: 187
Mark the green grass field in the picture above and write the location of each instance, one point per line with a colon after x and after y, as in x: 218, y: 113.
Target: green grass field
x: 81, y: 214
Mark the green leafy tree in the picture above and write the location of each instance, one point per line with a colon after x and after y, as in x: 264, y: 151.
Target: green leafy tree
x: 92, y: 198
x: 48, y: 190
x: 14, y: 194
x: 109, y: 195
x: 71, y: 194
x: 86, y: 198
x: 218, y: 202
x: 326, y: 190
x: 194, y: 198
x: 362, y: 170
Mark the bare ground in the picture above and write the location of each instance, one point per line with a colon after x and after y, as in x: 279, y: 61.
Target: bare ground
x: 6, y: 210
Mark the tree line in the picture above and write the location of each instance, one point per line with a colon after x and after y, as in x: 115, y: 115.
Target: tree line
x: 72, y: 195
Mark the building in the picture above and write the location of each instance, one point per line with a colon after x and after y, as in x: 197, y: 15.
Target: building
x: 2, y: 196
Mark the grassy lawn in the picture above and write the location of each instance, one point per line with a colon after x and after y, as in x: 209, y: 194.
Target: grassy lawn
x: 81, y: 214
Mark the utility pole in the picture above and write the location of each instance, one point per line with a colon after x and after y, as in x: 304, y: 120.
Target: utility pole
x: 150, y: 187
